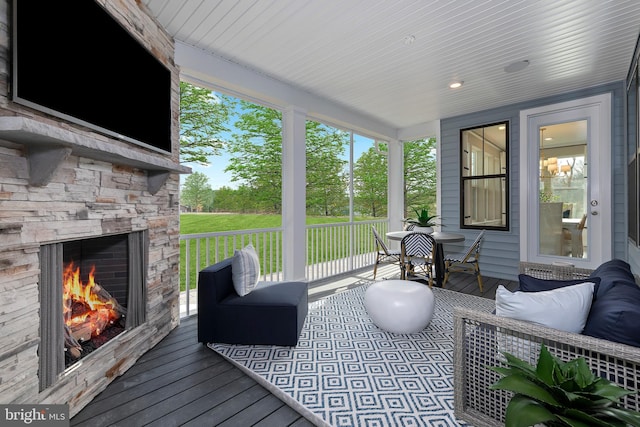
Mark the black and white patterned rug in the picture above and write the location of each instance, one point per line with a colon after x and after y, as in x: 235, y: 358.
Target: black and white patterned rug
x: 346, y: 372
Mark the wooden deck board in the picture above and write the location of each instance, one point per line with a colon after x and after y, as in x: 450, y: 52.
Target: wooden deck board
x: 182, y: 382
x: 199, y: 401
x: 162, y: 375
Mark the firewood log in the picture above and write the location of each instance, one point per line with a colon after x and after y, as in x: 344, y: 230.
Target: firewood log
x: 81, y: 332
x: 71, y: 344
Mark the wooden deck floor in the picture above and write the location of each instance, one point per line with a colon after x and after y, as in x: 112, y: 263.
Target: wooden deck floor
x: 182, y: 382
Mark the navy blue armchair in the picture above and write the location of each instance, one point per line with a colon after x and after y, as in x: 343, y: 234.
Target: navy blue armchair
x: 272, y: 314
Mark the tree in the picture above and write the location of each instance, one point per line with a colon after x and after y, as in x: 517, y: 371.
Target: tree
x: 420, y: 185
x: 202, y: 118
x: 257, y: 155
x: 234, y: 200
x: 226, y: 199
x: 326, y: 177
x: 197, y: 193
x: 257, y: 161
x: 370, y: 183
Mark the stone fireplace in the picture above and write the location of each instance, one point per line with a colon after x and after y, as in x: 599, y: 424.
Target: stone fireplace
x: 96, y: 288
x: 65, y: 190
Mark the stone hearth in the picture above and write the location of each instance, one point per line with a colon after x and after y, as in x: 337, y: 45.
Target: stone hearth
x: 61, y: 182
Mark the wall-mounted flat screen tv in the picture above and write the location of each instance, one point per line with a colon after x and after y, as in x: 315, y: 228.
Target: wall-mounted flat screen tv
x: 73, y: 60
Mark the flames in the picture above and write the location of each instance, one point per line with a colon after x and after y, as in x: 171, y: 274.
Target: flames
x: 88, y: 308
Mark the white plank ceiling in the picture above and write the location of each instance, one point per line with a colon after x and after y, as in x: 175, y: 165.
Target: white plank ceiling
x: 353, y: 52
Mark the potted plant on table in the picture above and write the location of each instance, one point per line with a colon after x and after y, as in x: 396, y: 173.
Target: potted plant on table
x: 423, y: 221
x: 557, y: 393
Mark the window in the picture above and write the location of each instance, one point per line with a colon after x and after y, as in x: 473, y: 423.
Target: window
x: 484, y: 195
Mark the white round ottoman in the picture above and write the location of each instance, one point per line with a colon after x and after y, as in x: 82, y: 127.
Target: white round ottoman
x: 399, y: 306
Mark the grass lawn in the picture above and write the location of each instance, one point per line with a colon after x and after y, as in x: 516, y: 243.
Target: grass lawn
x: 194, y: 223
x: 207, y: 223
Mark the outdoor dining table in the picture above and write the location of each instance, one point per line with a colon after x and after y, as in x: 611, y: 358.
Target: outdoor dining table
x: 441, y: 238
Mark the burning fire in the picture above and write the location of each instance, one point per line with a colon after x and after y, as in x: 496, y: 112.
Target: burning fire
x: 88, y: 308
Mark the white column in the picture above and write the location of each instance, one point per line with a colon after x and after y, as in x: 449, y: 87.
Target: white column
x: 436, y: 132
x: 294, y: 193
x: 395, y: 185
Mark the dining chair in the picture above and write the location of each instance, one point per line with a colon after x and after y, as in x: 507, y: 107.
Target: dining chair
x: 581, y: 226
x: 417, y: 253
x: 468, y: 261
x: 383, y: 253
x: 568, y: 239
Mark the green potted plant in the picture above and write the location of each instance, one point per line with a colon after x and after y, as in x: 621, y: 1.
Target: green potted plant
x: 423, y: 221
x: 547, y: 196
x: 557, y: 393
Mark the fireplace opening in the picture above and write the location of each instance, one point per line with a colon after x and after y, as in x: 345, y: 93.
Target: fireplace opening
x: 94, y: 295
x: 91, y: 291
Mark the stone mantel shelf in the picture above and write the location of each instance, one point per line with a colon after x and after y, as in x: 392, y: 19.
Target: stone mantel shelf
x: 48, y: 146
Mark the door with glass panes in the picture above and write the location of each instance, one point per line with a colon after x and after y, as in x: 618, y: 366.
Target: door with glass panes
x: 566, y: 197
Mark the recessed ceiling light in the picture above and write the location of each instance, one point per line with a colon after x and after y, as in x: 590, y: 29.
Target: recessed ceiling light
x: 516, y: 66
x: 502, y: 127
x: 456, y: 84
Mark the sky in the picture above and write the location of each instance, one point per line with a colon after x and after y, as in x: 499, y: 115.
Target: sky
x: 214, y: 171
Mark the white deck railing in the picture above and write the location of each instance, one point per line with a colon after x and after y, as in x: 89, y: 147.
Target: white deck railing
x: 332, y: 249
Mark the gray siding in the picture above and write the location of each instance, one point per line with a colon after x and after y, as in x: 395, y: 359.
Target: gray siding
x: 501, y: 249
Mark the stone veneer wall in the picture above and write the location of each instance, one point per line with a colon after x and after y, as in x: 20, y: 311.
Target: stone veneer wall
x: 85, y: 197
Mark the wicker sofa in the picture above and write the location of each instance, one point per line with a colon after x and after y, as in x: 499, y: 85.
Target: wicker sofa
x: 479, y: 339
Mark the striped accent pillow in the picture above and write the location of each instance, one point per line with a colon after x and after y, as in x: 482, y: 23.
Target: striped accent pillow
x: 245, y: 270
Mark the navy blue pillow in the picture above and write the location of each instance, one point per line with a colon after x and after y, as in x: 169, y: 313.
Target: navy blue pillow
x: 533, y: 284
x: 614, y: 315
x: 612, y: 273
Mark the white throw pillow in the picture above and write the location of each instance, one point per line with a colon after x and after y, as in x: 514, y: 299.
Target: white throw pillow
x: 564, y: 308
x: 245, y: 270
